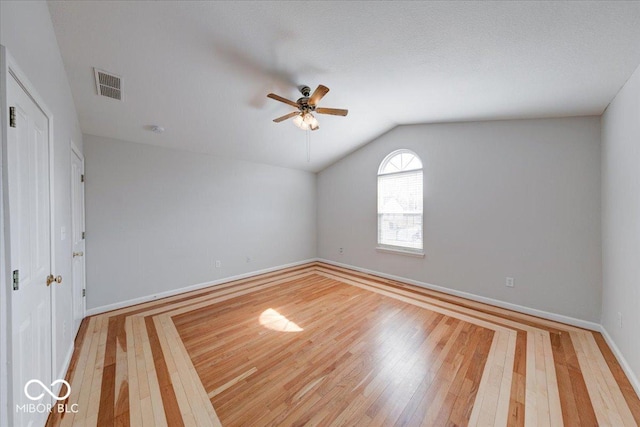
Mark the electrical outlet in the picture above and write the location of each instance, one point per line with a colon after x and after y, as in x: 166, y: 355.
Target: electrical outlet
x: 510, y: 282
x: 248, y: 259
x: 341, y: 251
x: 218, y: 263
x: 619, y: 319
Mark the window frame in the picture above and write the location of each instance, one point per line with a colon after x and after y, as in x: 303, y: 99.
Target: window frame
x: 397, y: 249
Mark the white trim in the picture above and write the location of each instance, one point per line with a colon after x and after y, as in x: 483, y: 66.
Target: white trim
x: 65, y: 366
x: 398, y: 251
x: 502, y: 304
x: 633, y: 379
x: 75, y: 150
x: 5, y: 293
x: 172, y: 292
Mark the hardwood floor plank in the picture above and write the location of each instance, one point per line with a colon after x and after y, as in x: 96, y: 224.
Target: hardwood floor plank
x: 79, y: 393
x: 144, y: 393
x: 135, y: 410
x: 234, y: 381
x: 518, y: 384
x: 619, y: 410
x: 182, y: 399
x: 169, y: 401
x: 408, y: 383
x: 121, y: 403
x: 204, y: 413
x: 159, y: 417
x: 75, y: 366
x: 107, y: 394
x: 590, y: 375
x: 502, y: 410
x: 623, y: 382
x: 567, y: 399
x: 553, y: 394
x: 531, y: 399
x: 91, y: 414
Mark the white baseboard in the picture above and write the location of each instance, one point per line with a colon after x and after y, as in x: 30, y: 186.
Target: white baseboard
x: 172, y: 292
x: 633, y: 379
x: 67, y: 362
x: 64, y: 368
x: 510, y: 306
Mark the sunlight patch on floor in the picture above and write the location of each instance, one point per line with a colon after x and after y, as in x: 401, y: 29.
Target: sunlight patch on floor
x: 275, y: 321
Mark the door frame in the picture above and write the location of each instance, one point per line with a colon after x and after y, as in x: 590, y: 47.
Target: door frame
x: 76, y: 151
x: 10, y: 69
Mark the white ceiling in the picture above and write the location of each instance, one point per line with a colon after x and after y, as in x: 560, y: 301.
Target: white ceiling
x: 203, y: 69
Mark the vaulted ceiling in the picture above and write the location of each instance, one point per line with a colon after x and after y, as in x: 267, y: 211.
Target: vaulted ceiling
x: 202, y: 70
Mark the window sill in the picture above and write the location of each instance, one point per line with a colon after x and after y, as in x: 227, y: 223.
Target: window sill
x: 399, y: 251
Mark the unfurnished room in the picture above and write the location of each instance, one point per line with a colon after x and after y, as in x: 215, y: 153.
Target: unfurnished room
x: 319, y: 213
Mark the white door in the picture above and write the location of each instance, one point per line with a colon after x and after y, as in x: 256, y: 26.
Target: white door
x: 30, y: 259
x: 77, y: 230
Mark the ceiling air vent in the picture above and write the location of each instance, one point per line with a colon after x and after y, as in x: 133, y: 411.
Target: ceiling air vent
x: 108, y: 84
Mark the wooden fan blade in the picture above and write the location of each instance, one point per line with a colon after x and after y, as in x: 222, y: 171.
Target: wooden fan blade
x: 281, y: 99
x: 332, y: 111
x: 286, y: 116
x: 318, y: 94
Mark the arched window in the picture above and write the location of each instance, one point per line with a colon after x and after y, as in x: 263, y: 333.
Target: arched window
x: 400, y: 202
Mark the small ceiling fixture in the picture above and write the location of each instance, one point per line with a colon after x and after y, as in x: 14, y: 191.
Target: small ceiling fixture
x: 157, y: 129
x: 306, y: 105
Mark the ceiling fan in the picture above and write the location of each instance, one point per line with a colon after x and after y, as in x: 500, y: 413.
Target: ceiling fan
x: 306, y: 105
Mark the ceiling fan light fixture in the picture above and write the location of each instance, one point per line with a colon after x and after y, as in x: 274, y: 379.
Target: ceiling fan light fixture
x: 301, y: 123
x: 311, y: 121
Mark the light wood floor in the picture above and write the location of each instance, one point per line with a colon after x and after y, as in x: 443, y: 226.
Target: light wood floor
x: 322, y: 345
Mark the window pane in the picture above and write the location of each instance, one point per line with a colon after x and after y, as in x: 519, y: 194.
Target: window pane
x: 400, y: 209
x: 400, y: 161
x: 404, y: 230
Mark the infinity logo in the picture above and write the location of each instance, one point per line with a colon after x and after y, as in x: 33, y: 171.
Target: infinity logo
x: 47, y: 389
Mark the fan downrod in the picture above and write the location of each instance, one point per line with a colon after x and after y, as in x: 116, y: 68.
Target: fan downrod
x: 305, y: 90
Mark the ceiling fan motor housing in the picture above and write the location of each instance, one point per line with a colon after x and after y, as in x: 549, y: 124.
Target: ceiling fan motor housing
x: 303, y: 103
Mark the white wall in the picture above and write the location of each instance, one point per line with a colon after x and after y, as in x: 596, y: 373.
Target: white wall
x: 621, y: 223
x: 27, y: 32
x: 158, y: 218
x: 514, y: 198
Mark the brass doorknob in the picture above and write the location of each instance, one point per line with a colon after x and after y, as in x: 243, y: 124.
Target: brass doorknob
x: 51, y: 279
x: 75, y: 254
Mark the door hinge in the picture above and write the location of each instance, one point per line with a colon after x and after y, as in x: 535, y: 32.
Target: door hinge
x: 83, y: 235
x: 12, y: 117
x: 84, y: 292
x: 16, y: 280
x: 82, y: 178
